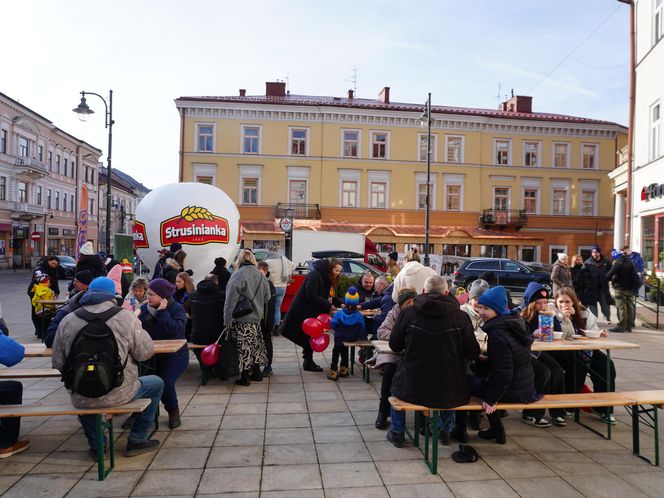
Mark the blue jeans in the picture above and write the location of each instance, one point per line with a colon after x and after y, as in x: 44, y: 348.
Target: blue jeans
x: 447, y: 419
x: 281, y: 292
x: 151, y: 388
x: 169, y: 367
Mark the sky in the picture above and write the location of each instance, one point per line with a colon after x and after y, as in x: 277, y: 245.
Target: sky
x: 571, y: 56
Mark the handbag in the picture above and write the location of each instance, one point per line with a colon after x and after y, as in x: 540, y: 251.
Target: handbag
x: 243, y: 306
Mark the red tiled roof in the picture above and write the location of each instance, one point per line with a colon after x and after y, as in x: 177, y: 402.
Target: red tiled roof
x: 357, y: 103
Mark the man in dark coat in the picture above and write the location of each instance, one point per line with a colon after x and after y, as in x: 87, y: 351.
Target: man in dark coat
x: 221, y: 272
x: 436, y: 338
x: 267, y: 323
x: 595, y: 283
x: 312, y: 299
x: 623, y: 275
x: 206, y: 306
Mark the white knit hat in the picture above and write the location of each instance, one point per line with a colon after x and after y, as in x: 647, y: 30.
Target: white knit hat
x: 87, y: 249
x: 561, y: 256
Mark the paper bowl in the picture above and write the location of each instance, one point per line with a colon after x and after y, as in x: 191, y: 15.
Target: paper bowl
x: 557, y: 336
x: 593, y: 334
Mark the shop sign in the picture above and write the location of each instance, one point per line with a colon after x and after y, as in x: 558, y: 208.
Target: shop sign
x: 652, y: 191
x: 53, y: 231
x: 68, y: 232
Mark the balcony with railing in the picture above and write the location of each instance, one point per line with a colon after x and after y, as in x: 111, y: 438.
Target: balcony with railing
x: 26, y: 210
x: 300, y: 211
x: 31, y: 167
x: 503, y: 218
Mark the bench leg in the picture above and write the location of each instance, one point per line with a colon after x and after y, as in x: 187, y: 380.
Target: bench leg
x: 650, y: 419
x: 366, y: 371
x: 100, y: 425
x: 431, y: 431
x: 352, y: 360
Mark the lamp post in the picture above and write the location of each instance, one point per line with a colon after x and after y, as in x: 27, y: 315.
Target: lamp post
x: 425, y: 121
x: 46, y: 215
x: 84, y: 111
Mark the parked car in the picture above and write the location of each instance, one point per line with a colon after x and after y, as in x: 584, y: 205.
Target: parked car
x: 69, y: 264
x: 351, y: 267
x: 511, y: 274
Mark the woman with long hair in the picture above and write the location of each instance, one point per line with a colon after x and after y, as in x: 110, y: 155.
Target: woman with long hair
x: 318, y: 294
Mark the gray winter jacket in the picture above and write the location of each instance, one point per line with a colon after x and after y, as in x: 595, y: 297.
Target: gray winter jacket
x: 249, y: 282
x: 132, y: 341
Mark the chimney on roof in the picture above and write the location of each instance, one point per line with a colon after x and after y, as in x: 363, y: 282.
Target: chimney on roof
x: 518, y: 103
x: 243, y: 92
x: 275, y: 88
x: 384, y: 95
x: 351, y: 94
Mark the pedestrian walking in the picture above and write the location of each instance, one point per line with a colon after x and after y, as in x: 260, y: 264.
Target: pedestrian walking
x: 561, y: 274
x: 267, y: 323
x: 623, y: 275
x: 595, y: 283
x: 281, y: 271
x: 576, y: 267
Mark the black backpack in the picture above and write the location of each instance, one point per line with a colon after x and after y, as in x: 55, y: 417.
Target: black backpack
x: 93, y: 366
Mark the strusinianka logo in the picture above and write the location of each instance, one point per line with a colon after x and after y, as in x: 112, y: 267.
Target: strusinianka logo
x: 194, y: 226
x: 140, y: 235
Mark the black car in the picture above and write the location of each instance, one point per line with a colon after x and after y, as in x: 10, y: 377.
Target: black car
x: 509, y: 273
x: 69, y: 264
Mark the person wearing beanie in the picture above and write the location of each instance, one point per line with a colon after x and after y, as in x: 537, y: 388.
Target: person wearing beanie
x: 413, y: 275
x: 222, y: 273
x: 595, y: 284
x: 348, y: 325
x: 41, y: 291
x: 561, y: 274
x: 436, y: 339
x: 510, y: 375
x: 392, y: 264
x: 133, y: 343
x: 164, y: 318
x: 387, y: 362
x: 80, y: 285
x: 476, y: 289
x: 89, y: 261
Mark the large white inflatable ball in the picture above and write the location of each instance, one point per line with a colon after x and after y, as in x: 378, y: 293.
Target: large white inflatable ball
x: 200, y: 217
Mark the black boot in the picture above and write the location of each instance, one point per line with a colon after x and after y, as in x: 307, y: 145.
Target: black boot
x: 496, y: 430
x: 381, y: 421
x: 460, y: 434
x: 474, y: 420
x: 206, y: 373
x: 244, y: 379
x: 310, y: 366
x: 174, y: 418
x: 256, y: 374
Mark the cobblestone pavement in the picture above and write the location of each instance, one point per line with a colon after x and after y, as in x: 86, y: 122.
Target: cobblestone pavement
x: 300, y: 435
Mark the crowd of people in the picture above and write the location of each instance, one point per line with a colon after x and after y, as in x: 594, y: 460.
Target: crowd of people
x: 480, y: 348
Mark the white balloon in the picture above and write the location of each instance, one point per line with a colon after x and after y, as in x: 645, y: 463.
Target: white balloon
x: 200, y: 217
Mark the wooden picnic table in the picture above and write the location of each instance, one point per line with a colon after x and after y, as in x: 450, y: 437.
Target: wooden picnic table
x: 53, y: 302
x: 160, y: 347
x: 583, y: 344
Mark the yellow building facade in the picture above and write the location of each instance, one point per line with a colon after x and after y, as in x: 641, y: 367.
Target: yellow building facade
x: 507, y: 182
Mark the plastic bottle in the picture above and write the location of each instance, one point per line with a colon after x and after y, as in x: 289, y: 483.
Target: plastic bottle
x: 546, y: 327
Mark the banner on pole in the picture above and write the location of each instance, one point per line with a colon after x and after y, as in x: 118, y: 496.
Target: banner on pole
x: 82, y: 219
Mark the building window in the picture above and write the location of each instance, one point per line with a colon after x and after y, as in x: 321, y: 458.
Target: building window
x: 298, y: 142
x: 57, y: 163
x: 560, y: 155
x: 589, y: 156
x: 559, y: 199
x: 3, y: 188
x: 351, y: 143
x: 92, y: 176
x: 250, y: 191
x: 553, y: 252
x: 71, y: 203
x: 205, y: 138
x: 654, y: 130
x: 250, y: 138
x: 23, y: 147
x: 349, y: 189
x: 3, y: 141
x: 531, y: 151
x: 421, y: 191
x: 64, y: 167
x: 73, y: 169
x: 39, y: 195
x: 528, y: 253
x: 92, y: 206
x: 379, y: 142
x: 453, y: 197
x: 422, y: 195
x: 377, y: 194
x: 454, y: 149
x: 493, y: 251
x: 57, y: 200
x: 588, y: 203
x: 297, y: 191
x: 208, y: 180
x: 658, y: 30
x: 422, y: 147
x: 22, y: 192
x: 530, y: 200
x: 501, y: 198
x: 48, y: 199
x: 503, y: 152
x: 50, y: 160
x: 40, y: 153
x: 64, y: 201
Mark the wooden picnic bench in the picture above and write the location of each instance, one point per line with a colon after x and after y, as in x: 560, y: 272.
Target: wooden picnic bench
x: 366, y: 346
x: 101, y: 425
x: 634, y: 399
x: 28, y: 373
x: 36, y: 350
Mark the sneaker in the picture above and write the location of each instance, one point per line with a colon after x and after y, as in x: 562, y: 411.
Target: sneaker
x: 92, y: 453
x: 333, y: 375
x: 17, y: 447
x: 569, y: 414
x: 559, y: 421
x: 618, y: 330
x: 267, y: 371
x: 135, y: 448
x: 542, y: 423
x: 606, y: 418
x: 343, y: 372
x: 310, y: 366
x: 397, y: 439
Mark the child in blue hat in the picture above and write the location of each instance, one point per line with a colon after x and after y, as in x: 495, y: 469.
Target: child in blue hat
x: 348, y: 325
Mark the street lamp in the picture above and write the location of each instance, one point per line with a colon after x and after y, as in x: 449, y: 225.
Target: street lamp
x: 425, y: 121
x: 46, y: 215
x: 84, y: 111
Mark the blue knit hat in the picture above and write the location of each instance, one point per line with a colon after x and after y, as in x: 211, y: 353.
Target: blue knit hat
x: 102, y: 285
x: 533, y: 292
x: 496, y: 299
x: 352, y: 298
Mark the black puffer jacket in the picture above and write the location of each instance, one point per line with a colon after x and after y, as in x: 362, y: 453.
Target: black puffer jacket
x: 622, y: 274
x: 92, y: 263
x: 206, y: 308
x: 594, y: 279
x: 511, y: 375
x: 436, y: 337
x: 221, y: 272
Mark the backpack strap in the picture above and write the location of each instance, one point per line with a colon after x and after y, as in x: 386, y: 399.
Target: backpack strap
x: 103, y: 316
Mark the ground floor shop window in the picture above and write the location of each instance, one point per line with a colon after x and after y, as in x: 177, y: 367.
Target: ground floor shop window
x: 53, y: 246
x: 493, y: 251
x: 461, y: 250
x: 553, y: 252
x: 528, y: 254
x: 385, y: 247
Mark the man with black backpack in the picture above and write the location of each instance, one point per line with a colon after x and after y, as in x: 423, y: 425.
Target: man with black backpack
x: 96, y: 348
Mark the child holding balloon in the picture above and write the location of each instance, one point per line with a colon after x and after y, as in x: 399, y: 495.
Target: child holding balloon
x: 348, y: 325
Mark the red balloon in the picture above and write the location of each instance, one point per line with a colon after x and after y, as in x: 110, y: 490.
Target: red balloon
x: 320, y: 343
x: 210, y: 355
x: 326, y: 320
x: 312, y: 327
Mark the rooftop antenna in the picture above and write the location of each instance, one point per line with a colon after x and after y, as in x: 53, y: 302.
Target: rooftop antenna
x: 512, y: 92
x: 498, y: 94
x: 353, y: 80
x: 287, y: 82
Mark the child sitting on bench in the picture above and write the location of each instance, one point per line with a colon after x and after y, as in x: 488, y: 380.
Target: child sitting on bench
x: 348, y: 325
